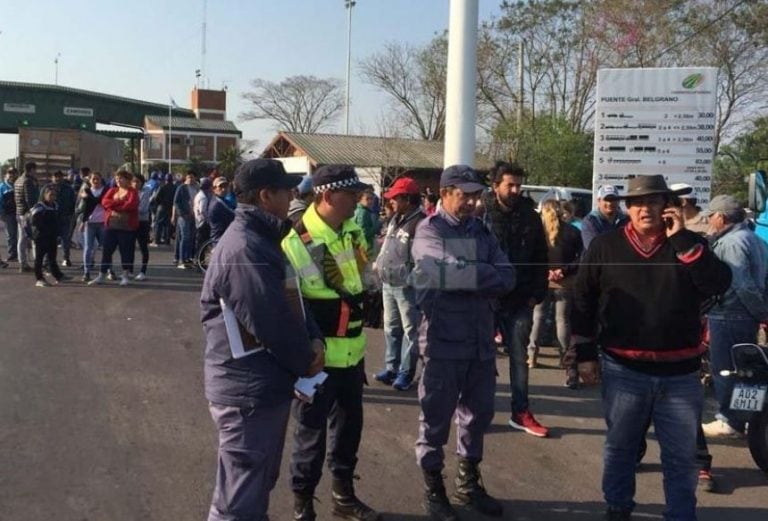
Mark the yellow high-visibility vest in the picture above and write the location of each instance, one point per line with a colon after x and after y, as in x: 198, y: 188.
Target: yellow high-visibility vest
x: 338, y: 311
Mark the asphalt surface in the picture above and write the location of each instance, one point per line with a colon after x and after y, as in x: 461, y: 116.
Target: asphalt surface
x: 102, y: 418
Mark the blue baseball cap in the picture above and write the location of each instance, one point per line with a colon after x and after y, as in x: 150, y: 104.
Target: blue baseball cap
x: 463, y: 177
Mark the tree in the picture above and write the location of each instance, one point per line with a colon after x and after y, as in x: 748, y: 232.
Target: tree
x: 229, y: 160
x: 297, y: 104
x: 415, y: 79
x: 196, y: 165
x: 747, y: 152
x: 550, y: 149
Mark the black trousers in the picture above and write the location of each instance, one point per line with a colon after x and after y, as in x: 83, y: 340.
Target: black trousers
x: 142, y: 238
x: 45, y: 248
x: 123, y: 239
x: 337, y: 409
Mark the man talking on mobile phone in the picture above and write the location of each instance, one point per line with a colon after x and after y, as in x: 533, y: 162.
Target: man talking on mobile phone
x: 637, y: 295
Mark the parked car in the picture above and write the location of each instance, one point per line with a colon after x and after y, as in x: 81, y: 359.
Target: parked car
x: 559, y: 193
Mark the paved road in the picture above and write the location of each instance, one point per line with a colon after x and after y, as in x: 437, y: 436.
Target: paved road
x: 102, y: 418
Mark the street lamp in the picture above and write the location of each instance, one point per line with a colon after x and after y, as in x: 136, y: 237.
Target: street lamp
x: 348, y: 5
x: 56, y: 63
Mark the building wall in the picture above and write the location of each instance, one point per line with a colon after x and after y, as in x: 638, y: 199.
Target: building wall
x: 55, y: 149
x: 209, y: 104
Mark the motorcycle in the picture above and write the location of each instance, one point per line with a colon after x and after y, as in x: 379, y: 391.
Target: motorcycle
x: 748, y: 399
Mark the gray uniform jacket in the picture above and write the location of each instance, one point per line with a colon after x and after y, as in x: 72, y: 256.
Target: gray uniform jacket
x: 247, y: 271
x: 460, y: 271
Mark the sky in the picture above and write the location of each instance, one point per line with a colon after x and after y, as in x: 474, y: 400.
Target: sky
x: 150, y: 49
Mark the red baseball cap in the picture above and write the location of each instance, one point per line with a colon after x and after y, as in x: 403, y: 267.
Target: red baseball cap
x: 403, y: 186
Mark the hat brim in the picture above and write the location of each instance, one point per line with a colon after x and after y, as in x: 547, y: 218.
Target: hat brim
x: 394, y: 193
x: 654, y: 191
x: 357, y: 187
x: 469, y: 188
x: 287, y: 181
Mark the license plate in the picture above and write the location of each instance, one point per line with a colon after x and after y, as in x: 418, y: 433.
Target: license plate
x: 748, y: 397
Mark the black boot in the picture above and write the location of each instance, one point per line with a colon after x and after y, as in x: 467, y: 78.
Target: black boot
x: 303, y: 507
x: 436, y: 501
x: 347, y: 506
x: 470, y: 490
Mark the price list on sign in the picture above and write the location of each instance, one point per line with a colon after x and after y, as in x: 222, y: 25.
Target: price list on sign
x: 656, y: 121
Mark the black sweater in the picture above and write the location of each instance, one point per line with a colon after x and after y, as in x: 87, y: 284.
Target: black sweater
x: 644, y: 307
x: 521, y: 237
x: 564, y: 254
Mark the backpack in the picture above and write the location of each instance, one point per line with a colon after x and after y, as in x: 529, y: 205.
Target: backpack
x: 8, y: 203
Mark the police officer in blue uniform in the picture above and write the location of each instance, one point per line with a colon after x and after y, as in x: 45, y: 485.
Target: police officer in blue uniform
x: 459, y: 272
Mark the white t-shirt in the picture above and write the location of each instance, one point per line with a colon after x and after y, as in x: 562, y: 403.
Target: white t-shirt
x: 97, y: 216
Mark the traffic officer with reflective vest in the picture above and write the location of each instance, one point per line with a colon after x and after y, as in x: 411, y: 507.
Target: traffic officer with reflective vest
x: 459, y: 272
x: 327, y: 250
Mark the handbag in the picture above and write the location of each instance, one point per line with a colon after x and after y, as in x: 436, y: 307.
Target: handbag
x: 118, y: 221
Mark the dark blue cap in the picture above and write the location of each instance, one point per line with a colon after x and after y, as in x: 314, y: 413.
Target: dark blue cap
x: 263, y: 173
x: 169, y: 176
x: 463, y: 177
x: 337, y: 177
x: 205, y: 183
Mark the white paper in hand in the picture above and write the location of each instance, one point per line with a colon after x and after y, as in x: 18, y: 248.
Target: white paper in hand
x: 307, y: 387
x: 233, y: 333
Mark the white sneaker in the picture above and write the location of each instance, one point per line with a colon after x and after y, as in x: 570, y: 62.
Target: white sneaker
x: 42, y: 284
x: 124, y: 279
x: 98, y: 280
x: 140, y: 276
x: 719, y: 429
x: 182, y: 266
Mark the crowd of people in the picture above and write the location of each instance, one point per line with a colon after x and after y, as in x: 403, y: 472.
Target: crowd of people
x: 85, y: 210
x: 627, y: 287
x: 638, y: 295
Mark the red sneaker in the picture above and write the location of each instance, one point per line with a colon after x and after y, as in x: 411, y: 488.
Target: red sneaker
x: 525, y: 421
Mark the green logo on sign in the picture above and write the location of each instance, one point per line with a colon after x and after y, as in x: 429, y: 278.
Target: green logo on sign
x: 693, y: 81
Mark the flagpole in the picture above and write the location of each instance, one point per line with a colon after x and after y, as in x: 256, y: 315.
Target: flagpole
x: 170, y: 138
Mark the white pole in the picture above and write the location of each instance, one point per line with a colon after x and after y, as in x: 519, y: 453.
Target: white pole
x: 461, y: 83
x: 349, y: 4
x: 170, y: 139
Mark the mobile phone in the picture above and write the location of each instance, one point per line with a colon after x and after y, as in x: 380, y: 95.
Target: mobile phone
x: 672, y: 203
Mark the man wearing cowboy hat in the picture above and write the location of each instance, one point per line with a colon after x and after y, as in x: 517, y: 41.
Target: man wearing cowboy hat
x: 637, y: 295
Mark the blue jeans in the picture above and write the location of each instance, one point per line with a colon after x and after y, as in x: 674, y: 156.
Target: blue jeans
x: 94, y: 232
x: 630, y: 400
x: 185, y: 237
x: 11, y: 235
x: 561, y: 299
x: 401, y: 323
x: 723, y: 333
x: 515, y: 331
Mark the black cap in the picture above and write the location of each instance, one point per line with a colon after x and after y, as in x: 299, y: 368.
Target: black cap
x: 263, y: 173
x: 463, y: 177
x: 337, y: 177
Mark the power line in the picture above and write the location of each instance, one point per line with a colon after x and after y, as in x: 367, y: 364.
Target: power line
x: 707, y: 26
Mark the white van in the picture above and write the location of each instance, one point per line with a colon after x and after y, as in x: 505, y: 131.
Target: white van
x: 558, y: 193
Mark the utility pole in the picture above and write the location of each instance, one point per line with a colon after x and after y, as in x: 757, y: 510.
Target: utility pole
x: 348, y: 5
x: 203, y: 51
x: 56, y: 65
x: 520, y: 92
